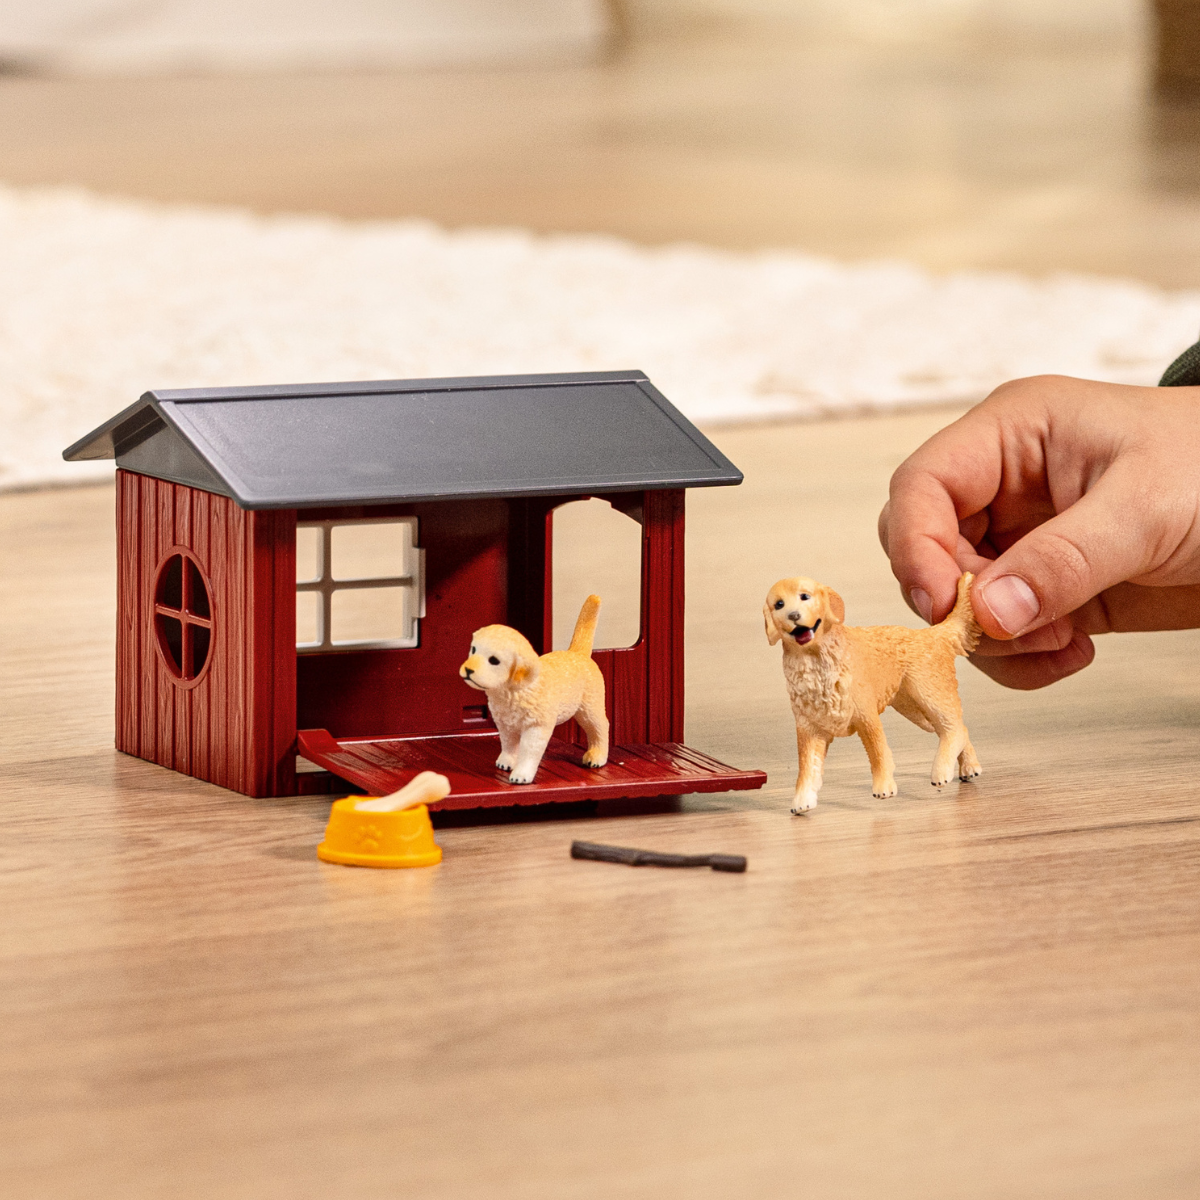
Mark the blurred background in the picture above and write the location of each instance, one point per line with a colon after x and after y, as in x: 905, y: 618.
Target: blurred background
x: 1033, y: 135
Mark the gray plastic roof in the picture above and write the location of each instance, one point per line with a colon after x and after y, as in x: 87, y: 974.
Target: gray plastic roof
x: 423, y: 439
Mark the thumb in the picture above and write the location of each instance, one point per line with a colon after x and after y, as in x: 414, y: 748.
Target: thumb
x: 1104, y: 538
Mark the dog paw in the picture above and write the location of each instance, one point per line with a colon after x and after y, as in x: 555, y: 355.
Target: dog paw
x: 974, y: 773
x: 886, y: 794
x: 941, y: 783
x: 503, y: 764
x: 520, y: 777
x: 802, y: 804
x: 594, y: 764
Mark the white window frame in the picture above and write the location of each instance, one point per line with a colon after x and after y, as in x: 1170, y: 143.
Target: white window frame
x: 324, y: 584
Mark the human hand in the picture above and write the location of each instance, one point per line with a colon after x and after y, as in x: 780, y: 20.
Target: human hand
x: 1077, y: 506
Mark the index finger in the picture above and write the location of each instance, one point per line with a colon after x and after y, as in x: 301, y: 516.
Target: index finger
x: 954, y: 475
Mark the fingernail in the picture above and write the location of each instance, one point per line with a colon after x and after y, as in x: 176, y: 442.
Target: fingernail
x: 1012, y: 602
x: 922, y: 603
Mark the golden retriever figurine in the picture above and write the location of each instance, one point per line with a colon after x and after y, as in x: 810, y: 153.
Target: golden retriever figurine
x: 840, y: 679
x: 528, y: 696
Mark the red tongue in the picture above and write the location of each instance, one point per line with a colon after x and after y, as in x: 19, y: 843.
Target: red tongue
x: 805, y: 638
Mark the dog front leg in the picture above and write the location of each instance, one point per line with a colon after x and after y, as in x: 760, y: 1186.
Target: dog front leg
x: 883, y: 769
x: 811, y: 749
x: 529, y: 753
x: 510, y: 738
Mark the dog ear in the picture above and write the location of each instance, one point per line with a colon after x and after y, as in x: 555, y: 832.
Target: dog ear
x: 836, y: 606
x: 525, y: 668
x: 773, y: 634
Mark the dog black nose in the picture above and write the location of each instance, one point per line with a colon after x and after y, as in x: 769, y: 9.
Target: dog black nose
x: 793, y: 616
x: 469, y: 671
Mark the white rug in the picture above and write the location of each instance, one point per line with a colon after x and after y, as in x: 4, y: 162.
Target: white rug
x: 101, y: 299
x: 231, y: 35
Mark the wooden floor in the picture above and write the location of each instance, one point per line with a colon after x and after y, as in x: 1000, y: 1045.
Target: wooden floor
x: 990, y: 992
x: 987, y: 992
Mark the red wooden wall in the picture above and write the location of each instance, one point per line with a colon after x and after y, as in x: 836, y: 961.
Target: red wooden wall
x: 489, y: 561
x: 486, y: 561
x: 417, y: 691
x: 236, y: 726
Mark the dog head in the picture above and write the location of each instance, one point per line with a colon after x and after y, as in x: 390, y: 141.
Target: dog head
x: 801, y: 610
x: 500, y: 657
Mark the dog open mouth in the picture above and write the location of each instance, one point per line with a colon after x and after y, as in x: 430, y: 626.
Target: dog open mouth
x: 804, y: 634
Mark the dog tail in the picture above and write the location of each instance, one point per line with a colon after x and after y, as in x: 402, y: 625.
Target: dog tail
x: 960, y: 627
x: 585, y: 627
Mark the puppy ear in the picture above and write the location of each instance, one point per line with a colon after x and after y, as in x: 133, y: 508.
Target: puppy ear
x: 773, y: 634
x: 524, y: 669
x: 836, y: 605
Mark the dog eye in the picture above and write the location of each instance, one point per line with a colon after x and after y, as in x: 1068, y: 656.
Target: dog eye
x: 805, y: 596
x: 473, y: 650
x: 493, y: 660
x: 778, y: 603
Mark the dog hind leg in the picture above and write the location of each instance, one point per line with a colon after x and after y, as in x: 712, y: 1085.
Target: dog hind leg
x: 952, y: 741
x: 906, y: 706
x: 594, y: 723
x: 939, y: 711
x: 968, y: 764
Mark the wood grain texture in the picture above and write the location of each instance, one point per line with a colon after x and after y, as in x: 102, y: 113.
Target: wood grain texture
x: 236, y: 725
x: 988, y: 992
x: 384, y: 765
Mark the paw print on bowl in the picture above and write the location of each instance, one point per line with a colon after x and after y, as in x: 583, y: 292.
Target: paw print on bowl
x: 370, y: 838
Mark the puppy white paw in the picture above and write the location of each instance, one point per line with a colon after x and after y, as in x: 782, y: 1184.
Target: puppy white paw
x: 504, y: 763
x: 594, y: 763
x: 971, y: 773
x: 522, y: 776
x: 886, y: 792
x: 940, y: 782
x: 802, y: 802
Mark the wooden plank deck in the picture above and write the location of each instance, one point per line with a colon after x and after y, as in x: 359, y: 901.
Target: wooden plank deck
x: 383, y: 765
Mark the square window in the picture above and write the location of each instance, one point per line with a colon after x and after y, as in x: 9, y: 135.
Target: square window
x: 308, y: 554
x: 360, y: 584
x: 379, y: 550
x: 370, y: 615
x: 308, y: 618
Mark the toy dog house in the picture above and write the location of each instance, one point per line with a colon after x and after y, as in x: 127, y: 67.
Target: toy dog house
x: 239, y: 511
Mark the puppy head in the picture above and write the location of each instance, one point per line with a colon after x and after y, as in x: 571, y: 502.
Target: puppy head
x: 802, y: 610
x: 500, y: 657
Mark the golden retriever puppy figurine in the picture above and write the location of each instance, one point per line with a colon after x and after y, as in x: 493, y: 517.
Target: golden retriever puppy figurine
x: 528, y: 696
x: 841, y: 678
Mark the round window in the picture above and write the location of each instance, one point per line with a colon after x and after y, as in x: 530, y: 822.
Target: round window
x: 183, y: 624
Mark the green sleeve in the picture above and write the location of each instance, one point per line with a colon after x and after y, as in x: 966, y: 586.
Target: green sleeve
x: 1184, y: 371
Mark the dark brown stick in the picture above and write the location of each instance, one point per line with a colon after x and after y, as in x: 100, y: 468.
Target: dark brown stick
x: 651, y: 858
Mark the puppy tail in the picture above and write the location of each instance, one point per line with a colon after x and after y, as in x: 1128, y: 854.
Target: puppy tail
x: 585, y: 627
x: 960, y: 627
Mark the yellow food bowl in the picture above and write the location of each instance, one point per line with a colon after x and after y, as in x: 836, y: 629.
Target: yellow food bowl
x: 379, y: 839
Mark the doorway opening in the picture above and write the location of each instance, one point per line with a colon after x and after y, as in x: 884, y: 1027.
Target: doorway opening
x: 597, y: 549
